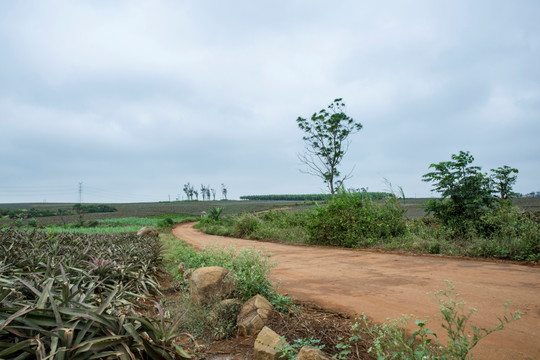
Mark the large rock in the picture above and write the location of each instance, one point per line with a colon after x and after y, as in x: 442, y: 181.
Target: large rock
x: 268, y: 345
x: 148, y: 231
x: 253, y: 316
x: 211, y: 284
x: 311, y: 353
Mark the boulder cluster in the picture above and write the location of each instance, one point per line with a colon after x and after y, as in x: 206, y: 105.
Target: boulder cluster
x: 216, y: 285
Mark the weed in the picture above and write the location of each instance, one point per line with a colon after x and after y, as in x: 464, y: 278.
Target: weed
x: 390, y: 340
x: 290, y: 351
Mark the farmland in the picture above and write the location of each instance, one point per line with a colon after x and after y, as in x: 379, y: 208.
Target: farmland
x: 194, y: 208
x: 54, y: 279
x: 413, y: 208
x: 77, y: 296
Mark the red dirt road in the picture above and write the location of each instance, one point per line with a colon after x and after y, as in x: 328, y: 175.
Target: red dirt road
x: 388, y: 285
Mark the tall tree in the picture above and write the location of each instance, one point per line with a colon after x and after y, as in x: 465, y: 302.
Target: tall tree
x: 207, y: 190
x: 213, y: 194
x: 188, y: 189
x: 504, y: 180
x: 224, y: 191
x: 203, y: 192
x: 326, y: 143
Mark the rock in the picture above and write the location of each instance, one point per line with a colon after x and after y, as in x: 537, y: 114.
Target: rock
x: 311, y: 353
x: 148, y: 231
x: 211, y: 284
x: 253, y: 316
x: 268, y: 345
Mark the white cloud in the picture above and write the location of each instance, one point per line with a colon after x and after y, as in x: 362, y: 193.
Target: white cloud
x: 209, y: 92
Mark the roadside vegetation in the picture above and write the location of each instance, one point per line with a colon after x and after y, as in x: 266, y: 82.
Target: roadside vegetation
x: 82, y: 293
x: 350, y: 220
x: 474, y: 217
x: 390, y: 341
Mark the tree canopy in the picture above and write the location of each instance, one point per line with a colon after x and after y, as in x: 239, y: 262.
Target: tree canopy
x: 326, y: 143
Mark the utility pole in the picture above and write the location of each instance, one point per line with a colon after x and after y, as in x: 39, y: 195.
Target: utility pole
x: 80, y: 192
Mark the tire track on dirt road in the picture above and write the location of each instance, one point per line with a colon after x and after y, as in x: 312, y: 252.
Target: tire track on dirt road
x: 383, y: 285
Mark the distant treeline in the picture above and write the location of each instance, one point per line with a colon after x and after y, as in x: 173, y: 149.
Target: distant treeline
x: 311, y: 197
x: 94, y: 208
x: 34, y: 213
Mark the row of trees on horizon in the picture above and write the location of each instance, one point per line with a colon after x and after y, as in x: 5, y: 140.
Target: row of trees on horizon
x: 206, y: 192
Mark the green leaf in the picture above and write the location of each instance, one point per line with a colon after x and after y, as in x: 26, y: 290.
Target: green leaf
x: 181, y: 351
x: 25, y: 345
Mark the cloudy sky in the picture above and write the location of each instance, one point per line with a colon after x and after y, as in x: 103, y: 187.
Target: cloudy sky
x: 136, y: 98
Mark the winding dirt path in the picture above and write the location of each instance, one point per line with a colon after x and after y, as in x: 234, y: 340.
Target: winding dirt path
x: 388, y: 285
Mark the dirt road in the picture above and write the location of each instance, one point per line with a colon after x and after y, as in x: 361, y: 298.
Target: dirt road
x: 389, y: 285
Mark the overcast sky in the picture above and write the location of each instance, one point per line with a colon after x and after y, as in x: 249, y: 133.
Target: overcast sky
x: 136, y: 98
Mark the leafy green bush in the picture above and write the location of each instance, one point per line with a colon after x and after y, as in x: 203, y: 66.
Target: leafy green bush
x: 351, y: 220
x: 467, y: 193
x: 505, y: 233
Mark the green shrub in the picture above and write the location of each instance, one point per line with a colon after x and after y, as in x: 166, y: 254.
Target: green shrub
x: 213, y: 227
x: 92, y: 223
x: 215, y: 213
x: 351, y: 220
x: 245, y: 225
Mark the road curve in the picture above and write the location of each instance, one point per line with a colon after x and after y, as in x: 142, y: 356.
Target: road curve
x: 385, y: 286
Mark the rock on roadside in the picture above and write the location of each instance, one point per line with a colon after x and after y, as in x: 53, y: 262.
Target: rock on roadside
x: 311, y: 353
x: 211, y: 284
x: 268, y: 345
x: 253, y: 316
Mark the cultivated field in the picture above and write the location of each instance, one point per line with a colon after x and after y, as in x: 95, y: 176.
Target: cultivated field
x: 414, y: 208
x: 193, y: 208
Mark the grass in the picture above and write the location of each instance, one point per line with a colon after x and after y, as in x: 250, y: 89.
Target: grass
x: 250, y: 266
x: 278, y: 225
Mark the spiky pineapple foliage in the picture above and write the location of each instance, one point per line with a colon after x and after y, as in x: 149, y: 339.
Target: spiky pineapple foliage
x: 67, y: 296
